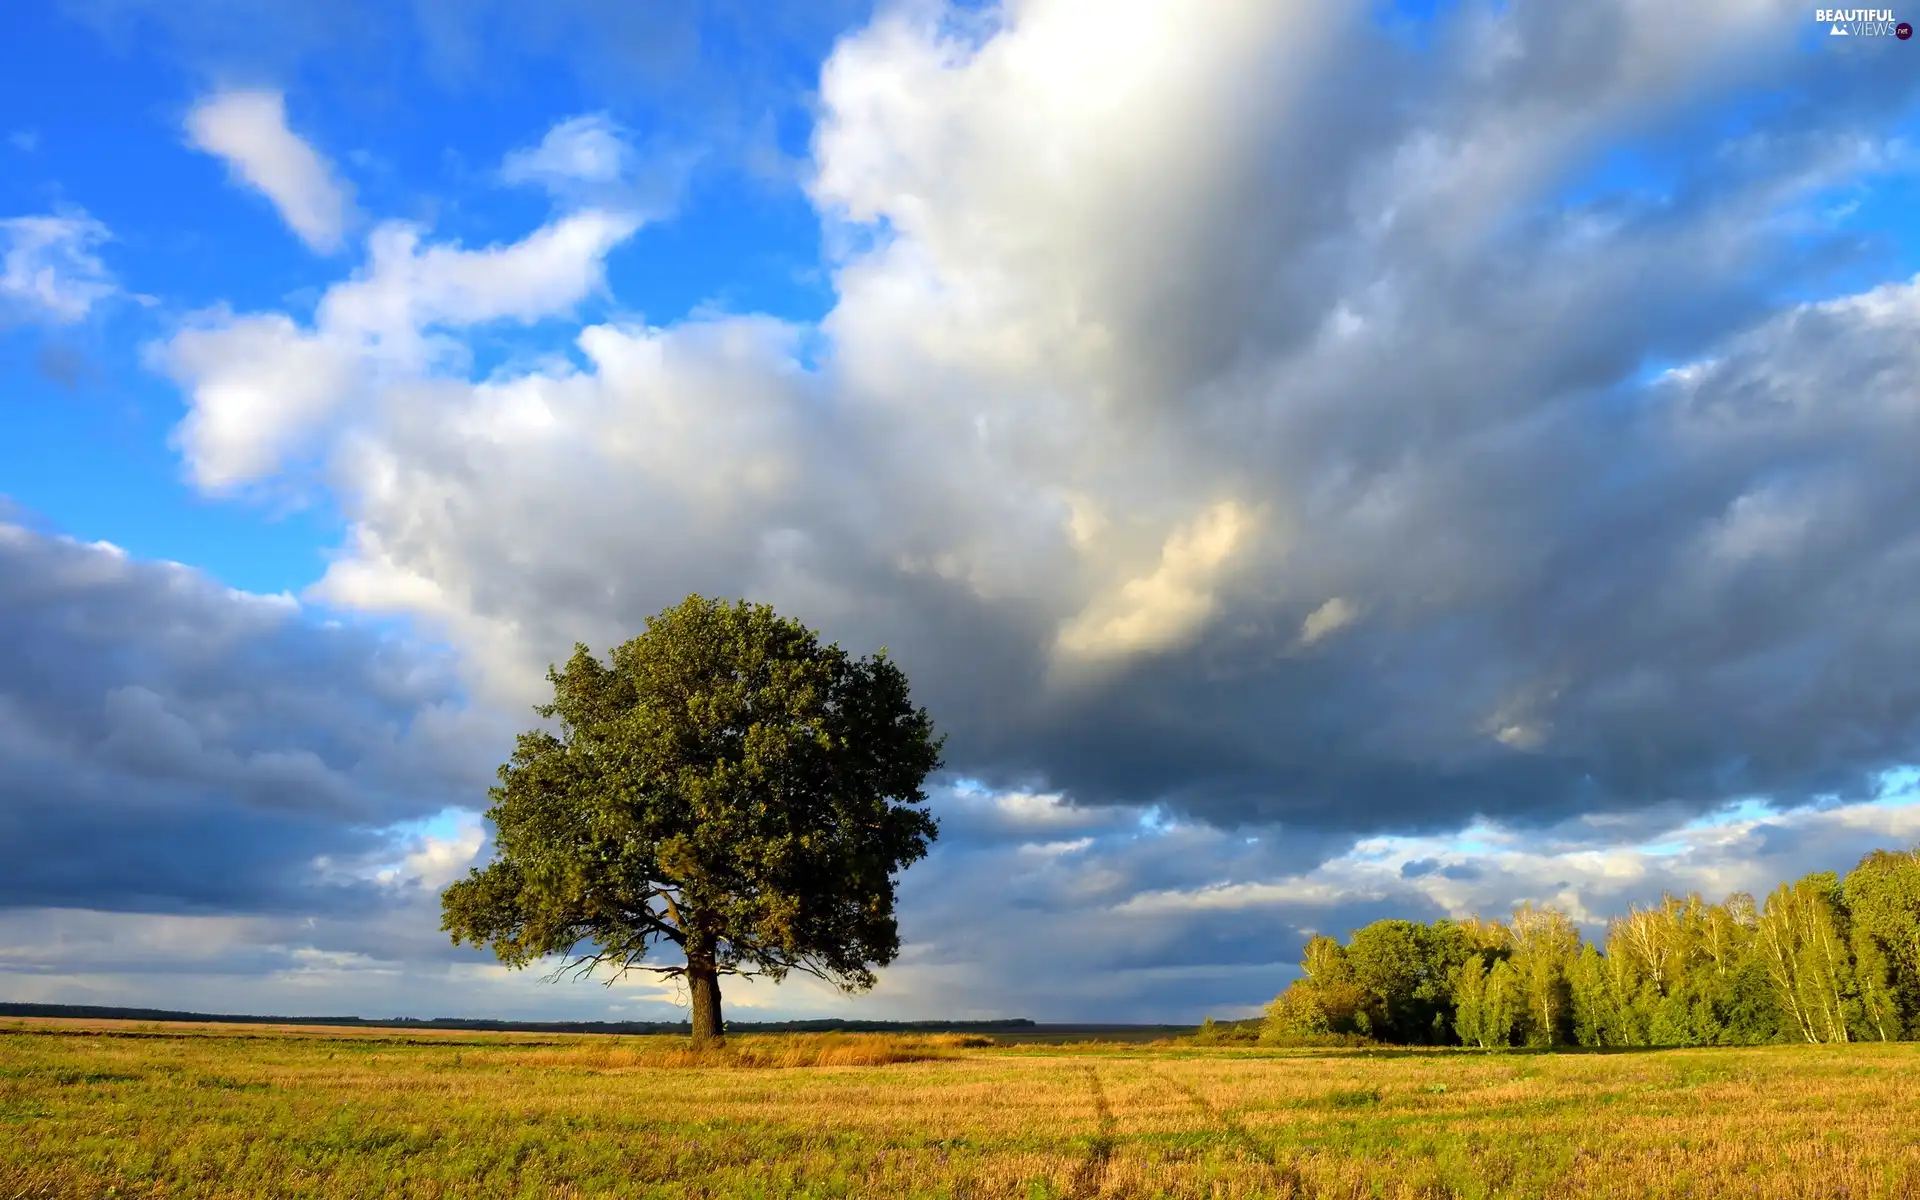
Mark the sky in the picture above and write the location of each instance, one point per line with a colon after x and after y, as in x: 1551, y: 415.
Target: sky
x: 1315, y: 462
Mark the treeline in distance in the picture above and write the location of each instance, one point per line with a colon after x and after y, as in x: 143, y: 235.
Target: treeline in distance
x: 1825, y: 959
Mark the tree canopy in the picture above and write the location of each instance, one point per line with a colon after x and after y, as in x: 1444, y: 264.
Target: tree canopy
x: 726, y: 785
x: 1820, y: 960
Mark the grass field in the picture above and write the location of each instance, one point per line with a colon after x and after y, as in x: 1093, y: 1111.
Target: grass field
x: 100, y: 1108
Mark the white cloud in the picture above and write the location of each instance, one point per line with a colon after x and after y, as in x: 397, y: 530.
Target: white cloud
x: 50, y: 270
x: 406, y: 289
x: 591, y: 161
x: 588, y: 149
x: 1023, y: 813
x: 249, y: 130
x: 436, y: 856
x: 1245, y: 895
x: 1156, y: 610
x: 1334, y: 615
x: 1487, y: 870
x: 261, y: 387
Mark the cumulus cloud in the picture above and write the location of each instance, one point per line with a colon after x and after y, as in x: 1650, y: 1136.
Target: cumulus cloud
x: 1160, y: 608
x: 261, y: 385
x: 249, y: 130
x: 172, y: 746
x: 406, y: 288
x: 50, y: 270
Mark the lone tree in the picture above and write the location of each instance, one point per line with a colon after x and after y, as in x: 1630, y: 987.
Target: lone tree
x: 729, y: 786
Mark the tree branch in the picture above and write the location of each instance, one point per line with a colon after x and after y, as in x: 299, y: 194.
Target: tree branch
x: 673, y: 911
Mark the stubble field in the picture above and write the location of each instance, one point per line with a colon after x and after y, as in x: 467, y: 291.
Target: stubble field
x: 101, y: 1108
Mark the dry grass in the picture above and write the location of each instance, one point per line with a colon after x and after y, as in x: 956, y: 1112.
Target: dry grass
x: 90, y: 1112
x: 765, y: 1051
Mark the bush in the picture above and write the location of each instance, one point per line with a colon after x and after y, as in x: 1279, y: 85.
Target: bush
x: 1320, y: 1041
x: 1311, y: 1009
x: 1226, y: 1033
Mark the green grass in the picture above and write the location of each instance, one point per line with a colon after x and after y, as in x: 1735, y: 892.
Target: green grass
x: 126, y: 1110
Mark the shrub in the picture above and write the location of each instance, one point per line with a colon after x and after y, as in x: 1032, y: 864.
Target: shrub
x: 1226, y: 1033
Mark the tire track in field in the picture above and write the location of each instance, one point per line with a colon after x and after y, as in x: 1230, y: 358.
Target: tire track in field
x: 1092, y: 1171
x: 1285, y: 1177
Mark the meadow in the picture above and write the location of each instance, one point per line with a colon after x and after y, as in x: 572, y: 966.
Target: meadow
x: 125, y: 1109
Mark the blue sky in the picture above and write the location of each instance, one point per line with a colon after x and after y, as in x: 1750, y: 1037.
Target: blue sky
x: 1315, y: 464
x: 94, y: 109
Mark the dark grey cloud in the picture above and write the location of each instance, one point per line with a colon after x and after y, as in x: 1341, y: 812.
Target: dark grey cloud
x: 169, y: 745
x: 1575, y: 595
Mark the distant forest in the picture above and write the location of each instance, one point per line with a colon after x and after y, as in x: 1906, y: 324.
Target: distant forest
x: 1826, y: 959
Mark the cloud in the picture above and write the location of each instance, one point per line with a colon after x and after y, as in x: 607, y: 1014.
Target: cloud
x: 260, y: 384
x: 50, y: 271
x: 587, y: 150
x: 1487, y: 869
x: 591, y: 161
x: 1334, y: 615
x: 1156, y: 610
x: 406, y: 288
x: 1027, y: 907
x: 386, y: 964
x: 172, y: 746
x: 1146, y: 920
x: 1182, y: 385
x: 249, y: 130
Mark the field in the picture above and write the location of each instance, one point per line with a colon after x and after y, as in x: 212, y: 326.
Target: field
x: 122, y: 1109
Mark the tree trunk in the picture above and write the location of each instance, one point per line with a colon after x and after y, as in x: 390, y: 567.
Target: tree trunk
x: 703, y: 982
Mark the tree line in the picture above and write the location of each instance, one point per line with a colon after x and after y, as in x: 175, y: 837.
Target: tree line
x: 1823, y: 959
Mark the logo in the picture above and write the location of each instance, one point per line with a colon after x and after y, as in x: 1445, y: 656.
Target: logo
x: 1862, y: 22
